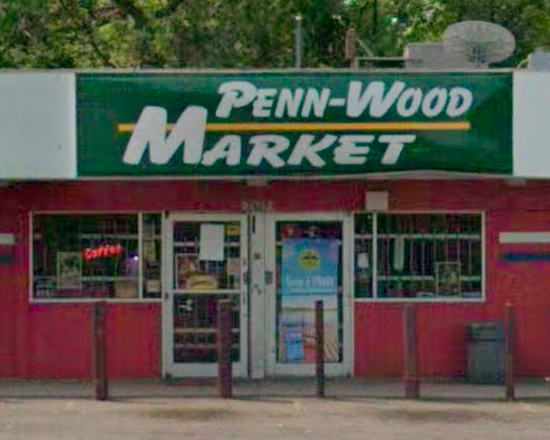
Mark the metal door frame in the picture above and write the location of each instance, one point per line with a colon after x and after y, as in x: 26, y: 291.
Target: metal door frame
x: 344, y: 368
x: 169, y: 367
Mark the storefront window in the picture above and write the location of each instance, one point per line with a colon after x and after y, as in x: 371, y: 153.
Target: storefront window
x: 418, y: 256
x: 152, y: 255
x: 96, y: 256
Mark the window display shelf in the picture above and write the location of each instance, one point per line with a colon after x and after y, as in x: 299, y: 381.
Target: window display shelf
x: 423, y: 278
x: 421, y: 236
x: 434, y: 236
x: 280, y: 243
x: 200, y: 346
x: 186, y: 330
x: 108, y: 278
x: 90, y: 279
x: 197, y: 244
x: 208, y: 292
x: 111, y: 235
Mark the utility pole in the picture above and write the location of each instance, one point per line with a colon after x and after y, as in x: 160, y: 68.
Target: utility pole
x: 351, y: 46
x: 298, y: 41
x: 375, y: 18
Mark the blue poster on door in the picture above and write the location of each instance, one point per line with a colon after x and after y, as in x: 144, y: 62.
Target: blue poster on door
x: 309, y: 273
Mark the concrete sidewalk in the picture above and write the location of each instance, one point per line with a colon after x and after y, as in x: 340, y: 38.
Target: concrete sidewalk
x: 292, y: 388
x: 268, y: 411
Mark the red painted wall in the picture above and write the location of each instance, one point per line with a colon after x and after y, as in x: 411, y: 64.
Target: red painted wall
x: 53, y: 341
x: 442, y: 348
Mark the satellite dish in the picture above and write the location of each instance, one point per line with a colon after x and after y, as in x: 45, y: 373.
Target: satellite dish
x: 479, y: 42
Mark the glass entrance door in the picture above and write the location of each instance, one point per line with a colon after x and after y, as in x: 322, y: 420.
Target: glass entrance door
x: 207, y: 262
x: 308, y: 260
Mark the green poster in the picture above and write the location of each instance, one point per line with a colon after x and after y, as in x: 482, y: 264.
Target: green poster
x: 293, y: 124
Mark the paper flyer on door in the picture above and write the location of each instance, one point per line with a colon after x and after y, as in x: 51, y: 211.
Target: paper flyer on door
x: 309, y: 274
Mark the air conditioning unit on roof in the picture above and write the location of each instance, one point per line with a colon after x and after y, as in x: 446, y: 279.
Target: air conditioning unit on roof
x: 433, y: 56
x: 539, y: 61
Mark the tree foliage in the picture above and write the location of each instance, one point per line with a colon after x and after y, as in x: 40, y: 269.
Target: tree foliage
x: 239, y: 33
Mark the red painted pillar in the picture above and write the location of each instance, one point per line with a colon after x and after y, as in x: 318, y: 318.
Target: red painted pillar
x: 319, y: 349
x: 99, y: 311
x: 410, y: 378
x: 509, y: 348
x: 225, y: 373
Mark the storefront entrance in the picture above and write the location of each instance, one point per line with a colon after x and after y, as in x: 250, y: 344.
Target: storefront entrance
x: 273, y: 267
x: 207, y: 262
x: 308, y: 255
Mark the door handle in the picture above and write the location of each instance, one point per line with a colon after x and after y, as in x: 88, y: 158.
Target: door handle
x: 268, y: 277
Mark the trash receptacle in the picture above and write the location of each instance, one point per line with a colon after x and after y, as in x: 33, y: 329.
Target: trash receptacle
x: 485, y: 352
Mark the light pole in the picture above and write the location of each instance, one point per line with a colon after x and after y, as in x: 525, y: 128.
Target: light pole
x: 298, y: 41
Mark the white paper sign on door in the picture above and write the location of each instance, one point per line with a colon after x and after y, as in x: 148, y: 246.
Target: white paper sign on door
x: 212, y: 242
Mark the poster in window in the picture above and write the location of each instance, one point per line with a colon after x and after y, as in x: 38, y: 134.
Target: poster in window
x: 69, y: 270
x: 211, y: 244
x: 447, y: 278
x: 309, y: 274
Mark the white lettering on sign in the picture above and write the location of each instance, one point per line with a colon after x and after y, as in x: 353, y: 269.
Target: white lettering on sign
x: 289, y: 103
x: 309, y: 146
x: 374, y: 98
x: 310, y: 285
x: 235, y: 94
x: 350, y: 151
x: 268, y: 148
x: 434, y: 102
x: 409, y: 102
x: 228, y: 148
x: 396, y: 143
x: 460, y: 101
x: 315, y: 101
x: 150, y: 133
x: 306, y: 149
x: 263, y: 103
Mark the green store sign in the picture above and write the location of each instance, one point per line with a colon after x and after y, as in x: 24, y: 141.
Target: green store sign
x: 290, y: 124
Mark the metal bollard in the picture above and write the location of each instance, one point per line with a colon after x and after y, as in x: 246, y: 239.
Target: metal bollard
x: 319, y: 350
x: 225, y: 373
x: 509, y: 348
x: 410, y: 377
x: 99, y: 347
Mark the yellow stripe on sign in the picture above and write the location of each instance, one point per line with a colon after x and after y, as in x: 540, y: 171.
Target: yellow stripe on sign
x: 321, y: 127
